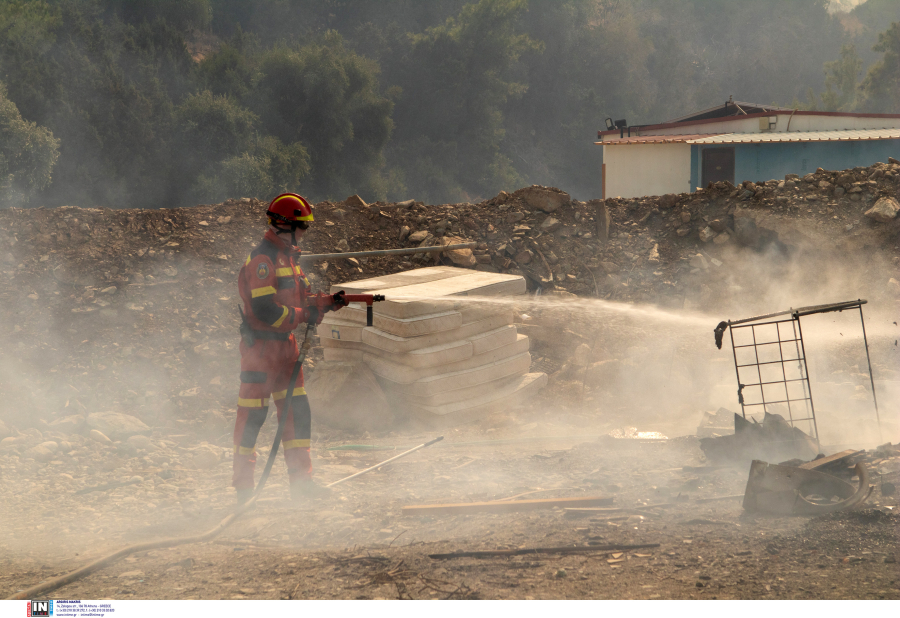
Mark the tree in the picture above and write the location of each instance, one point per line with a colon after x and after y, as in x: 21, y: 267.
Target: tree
x: 458, y: 80
x: 882, y: 83
x: 842, y: 81
x: 326, y: 97
x: 28, y: 154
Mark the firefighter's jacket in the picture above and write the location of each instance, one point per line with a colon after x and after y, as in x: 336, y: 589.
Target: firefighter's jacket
x: 273, y: 288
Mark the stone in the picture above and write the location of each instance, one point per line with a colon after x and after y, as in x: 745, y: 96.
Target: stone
x: 746, y: 231
x: 524, y: 257
x: 791, y: 177
x: 707, y: 234
x: 404, y: 233
x: 685, y: 216
x: 811, y: 177
x: 550, y: 224
x: 844, y: 179
x: 602, y: 219
x: 855, y: 197
x: 824, y: 184
x: 355, y: 200
x: 668, y: 201
x: 99, y: 436
x: 884, y: 211
x: 699, y: 261
x: 515, y: 217
x: 721, y: 239
x: 69, y: 424
x: 683, y: 231
x: 544, y: 199
x: 338, y: 213
x: 461, y: 257
x: 43, y: 451
x: 418, y: 236
x: 839, y: 191
x: 342, y: 246
x: 8, y: 442
x: 116, y: 425
x: 205, y: 456
x: 893, y: 161
x: 717, y: 225
x: 487, y: 268
x: 141, y: 443
x: 855, y: 189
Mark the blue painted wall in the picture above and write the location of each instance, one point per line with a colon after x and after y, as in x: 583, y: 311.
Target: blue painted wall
x: 772, y: 161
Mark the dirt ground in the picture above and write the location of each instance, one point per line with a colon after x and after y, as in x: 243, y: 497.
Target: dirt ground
x: 358, y: 544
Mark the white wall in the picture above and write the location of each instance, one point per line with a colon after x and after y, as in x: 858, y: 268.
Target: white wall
x: 635, y: 170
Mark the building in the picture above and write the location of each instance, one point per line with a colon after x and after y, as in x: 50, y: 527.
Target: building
x: 739, y: 141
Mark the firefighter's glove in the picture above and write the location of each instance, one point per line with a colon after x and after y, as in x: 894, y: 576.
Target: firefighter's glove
x: 313, y: 316
x: 337, y: 301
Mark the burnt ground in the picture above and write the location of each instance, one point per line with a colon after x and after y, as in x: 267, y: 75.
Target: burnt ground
x: 358, y: 544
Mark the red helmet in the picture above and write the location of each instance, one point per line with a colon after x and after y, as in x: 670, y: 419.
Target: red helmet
x: 290, y: 209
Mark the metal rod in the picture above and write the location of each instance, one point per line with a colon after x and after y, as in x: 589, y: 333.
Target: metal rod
x: 850, y: 304
x: 737, y: 372
x: 386, y: 461
x: 804, y: 368
x: 871, y: 378
x: 329, y: 256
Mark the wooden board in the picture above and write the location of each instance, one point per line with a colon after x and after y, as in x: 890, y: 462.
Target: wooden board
x: 504, y: 506
x: 824, y: 461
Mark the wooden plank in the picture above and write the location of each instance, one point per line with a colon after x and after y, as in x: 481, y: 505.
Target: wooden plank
x: 578, y: 549
x: 824, y: 461
x: 503, y: 506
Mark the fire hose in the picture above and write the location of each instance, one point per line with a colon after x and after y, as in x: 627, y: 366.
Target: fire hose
x: 63, y: 580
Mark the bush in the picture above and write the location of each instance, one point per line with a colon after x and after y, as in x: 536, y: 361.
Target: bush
x: 28, y: 154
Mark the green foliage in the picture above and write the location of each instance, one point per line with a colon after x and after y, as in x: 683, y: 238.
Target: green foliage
x: 882, y: 83
x: 457, y: 81
x: 325, y: 96
x: 27, y: 155
x: 842, y: 81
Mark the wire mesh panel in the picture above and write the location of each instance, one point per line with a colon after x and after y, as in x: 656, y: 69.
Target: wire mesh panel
x: 772, y: 373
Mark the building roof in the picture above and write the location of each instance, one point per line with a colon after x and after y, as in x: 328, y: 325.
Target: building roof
x: 731, y: 108
x: 759, y: 138
x: 798, y: 136
x: 657, y: 139
x: 687, y: 123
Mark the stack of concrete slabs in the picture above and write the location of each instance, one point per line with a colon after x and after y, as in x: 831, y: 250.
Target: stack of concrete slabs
x: 431, y: 347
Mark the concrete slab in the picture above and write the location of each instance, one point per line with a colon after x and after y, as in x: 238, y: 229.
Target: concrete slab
x: 513, y: 393
x: 431, y: 385
x: 398, y: 280
x: 428, y: 296
x: 406, y: 374
x: 492, y: 339
x: 392, y: 344
x: 415, y: 326
x: 338, y: 329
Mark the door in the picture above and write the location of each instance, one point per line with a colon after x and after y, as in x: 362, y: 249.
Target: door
x: 718, y: 165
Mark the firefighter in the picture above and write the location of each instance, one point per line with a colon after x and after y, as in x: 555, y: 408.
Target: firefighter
x: 274, y: 292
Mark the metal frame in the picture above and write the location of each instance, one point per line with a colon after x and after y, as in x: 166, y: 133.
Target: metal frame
x: 756, y: 322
